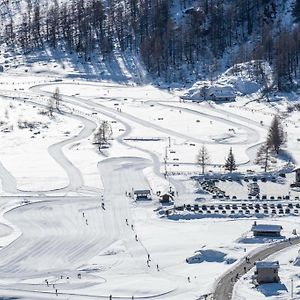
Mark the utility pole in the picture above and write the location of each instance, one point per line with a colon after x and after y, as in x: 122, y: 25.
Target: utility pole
x: 165, y: 160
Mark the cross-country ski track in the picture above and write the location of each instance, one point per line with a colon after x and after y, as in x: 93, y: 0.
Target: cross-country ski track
x: 58, y: 237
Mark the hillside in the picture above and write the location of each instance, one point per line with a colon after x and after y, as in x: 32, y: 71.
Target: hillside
x: 175, y: 40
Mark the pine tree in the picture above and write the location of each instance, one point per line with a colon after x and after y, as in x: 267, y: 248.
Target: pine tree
x: 203, y: 157
x: 276, y: 136
x: 230, y: 162
x: 296, y: 10
x: 264, y: 157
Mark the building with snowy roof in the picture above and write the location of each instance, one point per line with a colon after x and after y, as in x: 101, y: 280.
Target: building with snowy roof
x: 142, y: 194
x: 266, y: 230
x: 266, y: 272
x: 297, y: 177
x: 218, y: 93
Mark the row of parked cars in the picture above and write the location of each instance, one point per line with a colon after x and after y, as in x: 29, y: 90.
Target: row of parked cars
x: 243, y: 208
x: 210, y: 187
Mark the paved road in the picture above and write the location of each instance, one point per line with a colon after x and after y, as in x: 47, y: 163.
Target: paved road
x: 224, y: 287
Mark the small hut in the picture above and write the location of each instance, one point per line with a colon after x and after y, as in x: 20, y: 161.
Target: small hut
x: 166, y: 198
x: 297, y: 178
x: 142, y: 195
x: 266, y: 272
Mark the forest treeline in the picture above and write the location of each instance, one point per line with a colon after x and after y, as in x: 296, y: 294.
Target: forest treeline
x: 205, y: 31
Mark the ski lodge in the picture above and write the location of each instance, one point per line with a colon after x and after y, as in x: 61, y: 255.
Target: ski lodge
x: 266, y: 230
x: 218, y: 93
x: 266, y: 272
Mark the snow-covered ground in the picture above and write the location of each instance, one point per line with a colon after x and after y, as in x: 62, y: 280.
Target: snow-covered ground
x: 54, y: 181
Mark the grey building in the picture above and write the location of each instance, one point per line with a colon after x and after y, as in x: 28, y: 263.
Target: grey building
x: 266, y: 230
x: 297, y: 178
x: 266, y: 272
x: 142, y: 194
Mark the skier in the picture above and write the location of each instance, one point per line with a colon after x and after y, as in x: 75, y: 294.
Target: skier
x: 157, y: 267
x: 136, y: 238
x: 126, y: 222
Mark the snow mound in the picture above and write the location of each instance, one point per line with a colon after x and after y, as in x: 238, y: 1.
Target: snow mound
x: 249, y: 77
x: 243, y: 79
x: 209, y: 256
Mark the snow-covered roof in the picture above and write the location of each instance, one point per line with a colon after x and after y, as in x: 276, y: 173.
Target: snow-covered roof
x: 142, y: 192
x: 267, y: 265
x: 221, y: 91
x: 296, y: 169
x: 266, y: 228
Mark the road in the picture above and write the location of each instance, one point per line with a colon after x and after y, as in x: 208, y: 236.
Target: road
x: 224, y: 286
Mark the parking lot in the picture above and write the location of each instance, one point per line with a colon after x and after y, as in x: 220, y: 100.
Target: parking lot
x: 245, y: 209
x: 254, y: 188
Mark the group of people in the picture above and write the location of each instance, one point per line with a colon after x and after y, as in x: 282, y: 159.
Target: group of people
x: 61, y: 277
x: 136, y: 238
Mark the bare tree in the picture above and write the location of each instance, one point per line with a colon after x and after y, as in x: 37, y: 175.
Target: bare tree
x: 203, y: 157
x: 230, y: 162
x: 264, y: 156
x: 102, y: 135
x: 57, y: 98
x: 50, y: 107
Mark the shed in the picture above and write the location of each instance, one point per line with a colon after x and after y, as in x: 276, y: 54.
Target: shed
x: 266, y: 230
x: 166, y: 198
x: 266, y: 272
x: 142, y: 194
